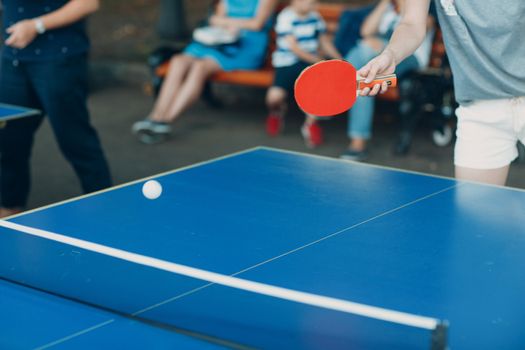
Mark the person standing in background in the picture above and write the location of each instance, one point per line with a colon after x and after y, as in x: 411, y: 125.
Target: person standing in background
x: 44, y: 66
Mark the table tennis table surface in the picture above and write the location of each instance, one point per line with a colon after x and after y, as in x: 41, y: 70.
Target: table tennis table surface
x: 403, y: 241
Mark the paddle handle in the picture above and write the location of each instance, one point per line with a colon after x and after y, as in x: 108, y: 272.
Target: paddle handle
x: 391, y: 80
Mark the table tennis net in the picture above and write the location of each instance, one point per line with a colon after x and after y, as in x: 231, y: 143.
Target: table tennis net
x: 228, y: 309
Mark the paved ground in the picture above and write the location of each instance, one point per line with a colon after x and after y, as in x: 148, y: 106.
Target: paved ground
x: 204, y: 133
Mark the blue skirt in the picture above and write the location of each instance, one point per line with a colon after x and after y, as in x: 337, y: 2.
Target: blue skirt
x: 248, y: 53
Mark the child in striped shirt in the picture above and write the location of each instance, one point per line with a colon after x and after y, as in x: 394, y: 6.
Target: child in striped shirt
x: 301, y: 41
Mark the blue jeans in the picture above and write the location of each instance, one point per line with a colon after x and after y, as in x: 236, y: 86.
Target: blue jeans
x: 361, y: 115
x: 59, y: 89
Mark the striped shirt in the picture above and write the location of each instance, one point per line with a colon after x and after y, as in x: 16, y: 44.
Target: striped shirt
x: 305, y: 30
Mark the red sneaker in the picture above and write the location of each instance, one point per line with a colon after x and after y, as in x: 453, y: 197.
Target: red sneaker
x: 274, y: 125
x: 312, y: 134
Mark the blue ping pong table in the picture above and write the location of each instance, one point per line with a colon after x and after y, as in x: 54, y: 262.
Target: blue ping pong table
x: 10, y: 112
x: 275, y: 250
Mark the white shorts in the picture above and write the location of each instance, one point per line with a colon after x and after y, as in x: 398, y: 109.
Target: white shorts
x: 488, y: 133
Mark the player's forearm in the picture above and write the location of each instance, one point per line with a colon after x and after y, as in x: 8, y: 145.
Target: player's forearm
x: 407, y: 37
x: 70, y: 13
x: 405, y: 40
x: 411, y: 31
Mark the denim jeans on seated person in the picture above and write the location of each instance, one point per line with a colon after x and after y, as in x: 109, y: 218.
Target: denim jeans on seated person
x: 362, y: 113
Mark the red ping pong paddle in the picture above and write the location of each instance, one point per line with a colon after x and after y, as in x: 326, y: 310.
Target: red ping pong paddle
x: 330, y: 87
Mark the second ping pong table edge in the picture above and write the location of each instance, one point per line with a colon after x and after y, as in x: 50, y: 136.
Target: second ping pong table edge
x: 27, y: 113
x: 249, y: 150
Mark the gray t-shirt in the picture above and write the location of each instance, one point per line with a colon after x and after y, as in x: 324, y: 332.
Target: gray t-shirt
x: 485, y: 43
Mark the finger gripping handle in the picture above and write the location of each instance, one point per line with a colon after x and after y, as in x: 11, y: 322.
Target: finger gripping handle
x: 390, y: 79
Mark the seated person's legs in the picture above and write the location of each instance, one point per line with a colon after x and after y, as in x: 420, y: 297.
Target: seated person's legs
x: 371, y: 43
x: 179, y: 66
x: 276, y: 102
x: 183, y: 85
x: 360, y: 116
x: 192, y: 87
x: 190, y: 71
x: 277, y: 96
x: 312, y: 132
x: 359, y: 128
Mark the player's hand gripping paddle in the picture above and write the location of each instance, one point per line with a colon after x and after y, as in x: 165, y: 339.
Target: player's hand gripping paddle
x: 330, y: 87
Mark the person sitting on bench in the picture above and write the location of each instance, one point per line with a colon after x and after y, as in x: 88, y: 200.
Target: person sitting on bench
x: 189, y: 70
x: 301, y: 41
x: 376, y: 30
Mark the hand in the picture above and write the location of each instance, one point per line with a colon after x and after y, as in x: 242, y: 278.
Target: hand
x: 21, y: 34
x: 383, y: 64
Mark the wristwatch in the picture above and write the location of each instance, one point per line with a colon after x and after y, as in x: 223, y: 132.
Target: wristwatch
x: 39, y: 25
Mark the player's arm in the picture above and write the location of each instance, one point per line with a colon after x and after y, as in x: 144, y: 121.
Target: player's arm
x: 405, y: 40
x: 303, y: 55
x: 328, y: 47
x: 371, y: 23
x: 24, y: 32
x: 265, y: 11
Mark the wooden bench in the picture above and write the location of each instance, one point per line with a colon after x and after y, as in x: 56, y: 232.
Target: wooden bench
x: 263, y: 77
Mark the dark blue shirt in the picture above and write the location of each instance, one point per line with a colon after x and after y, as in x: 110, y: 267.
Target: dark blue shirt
x: 53, y: 44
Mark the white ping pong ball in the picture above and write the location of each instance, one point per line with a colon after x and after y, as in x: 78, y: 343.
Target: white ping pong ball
x: 152, y: 189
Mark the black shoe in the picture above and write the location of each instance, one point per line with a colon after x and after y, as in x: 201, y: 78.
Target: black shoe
x: 356, y: 156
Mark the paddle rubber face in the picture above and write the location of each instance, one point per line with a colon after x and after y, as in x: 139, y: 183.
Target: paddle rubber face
x: 324, y: 89
x: 328, y: 88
